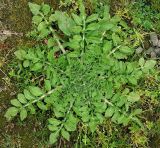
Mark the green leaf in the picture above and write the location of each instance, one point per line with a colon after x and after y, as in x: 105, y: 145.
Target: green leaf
x: 42, y: 106
x: 94, y: 40
x: 26, y: 63
x: 52, y: 128
x: 32, y: 109
x: 130, y: 68
x: 53, y: 137
x: 141, y: 62
x: 147, y: 24
x: 28, y: 95
x: 125, y: 121
x: 54, y: 121
x: 100, y: 107
x: 35, y: 9
x: 42, y: 26
x: 76, y: 30
x: 65, y: 134
x: 121, y: 119
x: 74, y: 43
x: 22, y: 98
x: 50, y: 42
x: 105, y: 25
x: 107, y: 46
x: 115, y: 116
x: 109, y: 112
x: 136, y: 112
x: 47, y: 85
x: 126, y: 50
x: 92, y: 126
x: 149, y: 65
x: 116, y: 39
x: 11, y: 112
x: 16, y: 103
x: 37, y: 19
x: 85, y: 116
x: 115, y: 19
x: 65, y: 23
x: 106, y: 12
x: 52, y: 18
x: 82, y: 9
x: 100, y: 118
x: 20, y: 54
x: 138, y: 122
x: 132, y: 80
x: 92, y: 26
x: 45, y: 9
x: 92, y: 18
x: 119, y: 55
x: 121, y: 102
x: 44, y: 33
x: 36, y: 91
x: 133, y: 97
x: 77, y: 19
x: 71, y: 123
x: 31, y: 55
x: 37, y: 67
x: 23, y: 114
x: 58, y: 113
x: 108, y: 26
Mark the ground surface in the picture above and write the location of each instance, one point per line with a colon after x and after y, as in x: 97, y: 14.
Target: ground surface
x: 15, y: 18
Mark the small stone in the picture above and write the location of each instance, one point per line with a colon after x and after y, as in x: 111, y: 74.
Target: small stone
x: 139, y: 50
x: 158, y: 43
x: 153, y: 55
x: 150, y: 50
x: 157, y: 51
x: 154, y: 38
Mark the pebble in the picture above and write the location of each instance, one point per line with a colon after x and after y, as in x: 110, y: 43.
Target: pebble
x: 154, y: 38
x: 139, y: 50
x: 157, y: 51
x: 153, y: 54
x: 158, y: 43
x: 149, y: 50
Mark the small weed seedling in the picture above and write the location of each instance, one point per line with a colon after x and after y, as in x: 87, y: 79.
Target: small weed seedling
x: 83, y: 75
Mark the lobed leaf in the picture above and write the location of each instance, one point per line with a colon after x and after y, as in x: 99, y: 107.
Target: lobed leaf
x: 35, y: 91
x: 23, y: 114
x: 11, y: 112
x: 53, y: 137
x: 65, y: 134
x: 35, y: 9
x: 16, y: 103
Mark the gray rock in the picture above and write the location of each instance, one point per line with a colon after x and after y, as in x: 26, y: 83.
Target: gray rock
x: 157, y: 51
x: 153, y: 55
x: 154, y: 38
x: 139, y: 50
x: 158, y: 43
x: 149, y: 50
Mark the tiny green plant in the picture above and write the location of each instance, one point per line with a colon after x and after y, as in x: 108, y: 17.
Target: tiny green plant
x: 88, y: 75
x: 144, y: 15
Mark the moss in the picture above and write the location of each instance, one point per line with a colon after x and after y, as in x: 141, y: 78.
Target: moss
x: 155, y: 4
